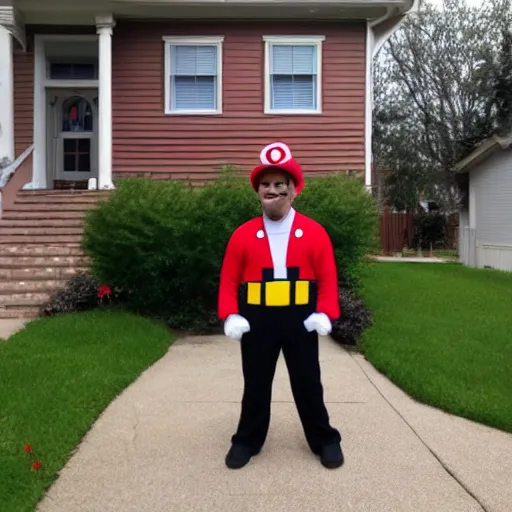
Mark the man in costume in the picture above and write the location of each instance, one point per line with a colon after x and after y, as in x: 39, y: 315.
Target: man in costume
x: 279, y: 290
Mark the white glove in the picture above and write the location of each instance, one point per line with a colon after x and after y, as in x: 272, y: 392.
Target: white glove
x: 318, y: 322
x: 235, y: 326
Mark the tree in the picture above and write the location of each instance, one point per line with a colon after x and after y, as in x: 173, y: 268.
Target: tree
x: 435, y: 95
x: 503, y: 84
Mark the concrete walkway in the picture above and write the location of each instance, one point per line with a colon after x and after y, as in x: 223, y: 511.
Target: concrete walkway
x: 160, y: 446
x: 9, y: 327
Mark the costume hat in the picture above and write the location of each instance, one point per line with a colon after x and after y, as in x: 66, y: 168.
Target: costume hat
x: 278, y: 156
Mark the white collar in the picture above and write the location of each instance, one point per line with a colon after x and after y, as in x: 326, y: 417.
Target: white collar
x: 283, y: 225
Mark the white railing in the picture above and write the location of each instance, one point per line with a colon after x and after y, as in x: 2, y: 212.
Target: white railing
x: 468, y: 247
x: 7, y: 172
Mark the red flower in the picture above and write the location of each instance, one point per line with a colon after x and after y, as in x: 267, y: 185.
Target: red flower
x: 103, y: 291
x: 28, y: 448
x: 36, y: 465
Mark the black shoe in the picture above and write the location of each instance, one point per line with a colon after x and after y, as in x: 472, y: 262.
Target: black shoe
x: 331, y: 456
x: 238, y: 456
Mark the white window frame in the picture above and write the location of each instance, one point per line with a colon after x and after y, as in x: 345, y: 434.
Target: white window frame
x: 192, y: 41
x: 295, y: 41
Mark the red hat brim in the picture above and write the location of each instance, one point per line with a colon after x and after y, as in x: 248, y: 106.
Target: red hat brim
x: 291, y: 167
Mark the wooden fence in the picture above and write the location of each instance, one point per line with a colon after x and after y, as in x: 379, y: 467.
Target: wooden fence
x: 397, y: 231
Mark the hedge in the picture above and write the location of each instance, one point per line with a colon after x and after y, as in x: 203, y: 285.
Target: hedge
x: 162, y: 242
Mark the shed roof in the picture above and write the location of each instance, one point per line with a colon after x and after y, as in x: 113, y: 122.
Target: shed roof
x: 483, y: 151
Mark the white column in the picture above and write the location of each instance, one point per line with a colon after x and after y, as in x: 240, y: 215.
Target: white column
x: 105, y: 25
x: 6, y: 96
x: 39, y: 156
x: 368, y: 109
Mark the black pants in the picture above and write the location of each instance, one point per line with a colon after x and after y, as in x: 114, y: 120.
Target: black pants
x: 260, y: 350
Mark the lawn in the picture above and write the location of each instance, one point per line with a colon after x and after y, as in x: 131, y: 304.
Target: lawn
x: 443, y: 333
x: 56, y: 377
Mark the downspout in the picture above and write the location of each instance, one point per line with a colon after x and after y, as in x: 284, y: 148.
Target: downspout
x: 373, y: 45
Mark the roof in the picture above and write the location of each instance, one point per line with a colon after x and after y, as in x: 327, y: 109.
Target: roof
x: 483, y: 151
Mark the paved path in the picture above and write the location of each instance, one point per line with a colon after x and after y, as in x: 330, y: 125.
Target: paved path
x: 8, y: 327
x: 160, y: 446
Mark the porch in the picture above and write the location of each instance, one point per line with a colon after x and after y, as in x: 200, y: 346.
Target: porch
x: 72, y: 109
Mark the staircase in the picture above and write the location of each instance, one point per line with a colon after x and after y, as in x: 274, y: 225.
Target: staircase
x: 40, y: 237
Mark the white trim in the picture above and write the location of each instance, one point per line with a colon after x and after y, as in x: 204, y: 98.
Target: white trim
x: 71, y: 84
x: 295, y: 41
x: 40, y: 129
x: 368, y: 108
x: 105, y: 30
x: 7, y: 149
x: 195, y: 41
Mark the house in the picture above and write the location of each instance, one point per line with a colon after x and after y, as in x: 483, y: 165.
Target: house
x: 485, y: 221
x: 96, y: 91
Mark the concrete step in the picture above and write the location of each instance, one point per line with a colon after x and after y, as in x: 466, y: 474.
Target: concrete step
x: 41, y: 239
x: 25, y: 249
x: 52, y: 207
x: 59, y: 199
x: 38, y: 230
x: 63, y: 193
x: 31, y: 286
x: 42, y: 261
x: 24, y: 299
x: 38, y: 273
x: 41, y: 223
x: 28, y: 312
x: 30, y: 215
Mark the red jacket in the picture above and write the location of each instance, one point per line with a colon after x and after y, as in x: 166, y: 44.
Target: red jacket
x: 309, y: 248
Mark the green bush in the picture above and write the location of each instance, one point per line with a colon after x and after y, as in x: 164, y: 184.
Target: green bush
x: 350, y: 215
x: 430, y: 230
x: 355, y: 318
x: 79, y: 294
x: 162, y: 243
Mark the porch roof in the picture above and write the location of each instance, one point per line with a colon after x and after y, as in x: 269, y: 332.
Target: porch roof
x: 71, y: 12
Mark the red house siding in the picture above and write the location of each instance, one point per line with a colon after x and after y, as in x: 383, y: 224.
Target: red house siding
x: 146, y: 142
x: 23, y: 101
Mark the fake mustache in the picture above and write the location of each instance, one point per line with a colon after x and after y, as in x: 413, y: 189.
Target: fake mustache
x: 281, y: 194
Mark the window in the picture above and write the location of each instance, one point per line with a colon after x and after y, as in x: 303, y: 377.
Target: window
x: 293, y: 74
x: 77, y: 155
x: 73, y: 71
x: 77, y: 115
x: 193, y: 75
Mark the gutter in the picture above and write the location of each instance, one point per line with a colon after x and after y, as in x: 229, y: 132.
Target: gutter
x: 378, y: 31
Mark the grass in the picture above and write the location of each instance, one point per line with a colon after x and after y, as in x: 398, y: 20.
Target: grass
x: 56, y: 377
x: 443, y: 333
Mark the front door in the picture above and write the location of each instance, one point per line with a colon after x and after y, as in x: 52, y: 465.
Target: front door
x: 73, y: 118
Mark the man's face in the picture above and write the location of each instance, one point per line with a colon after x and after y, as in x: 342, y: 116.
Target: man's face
x: 276, y: 192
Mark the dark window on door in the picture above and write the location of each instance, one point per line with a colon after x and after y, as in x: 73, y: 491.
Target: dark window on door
x: 77, y: 155
x: 73, y: 71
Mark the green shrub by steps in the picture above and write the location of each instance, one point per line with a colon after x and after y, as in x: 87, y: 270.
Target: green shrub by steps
x: 162, y: 242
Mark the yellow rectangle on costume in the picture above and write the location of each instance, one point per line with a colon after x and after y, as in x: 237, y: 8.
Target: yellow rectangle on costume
x: 301, y: 293
x: 254, y: 294
x: 277, y: 293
